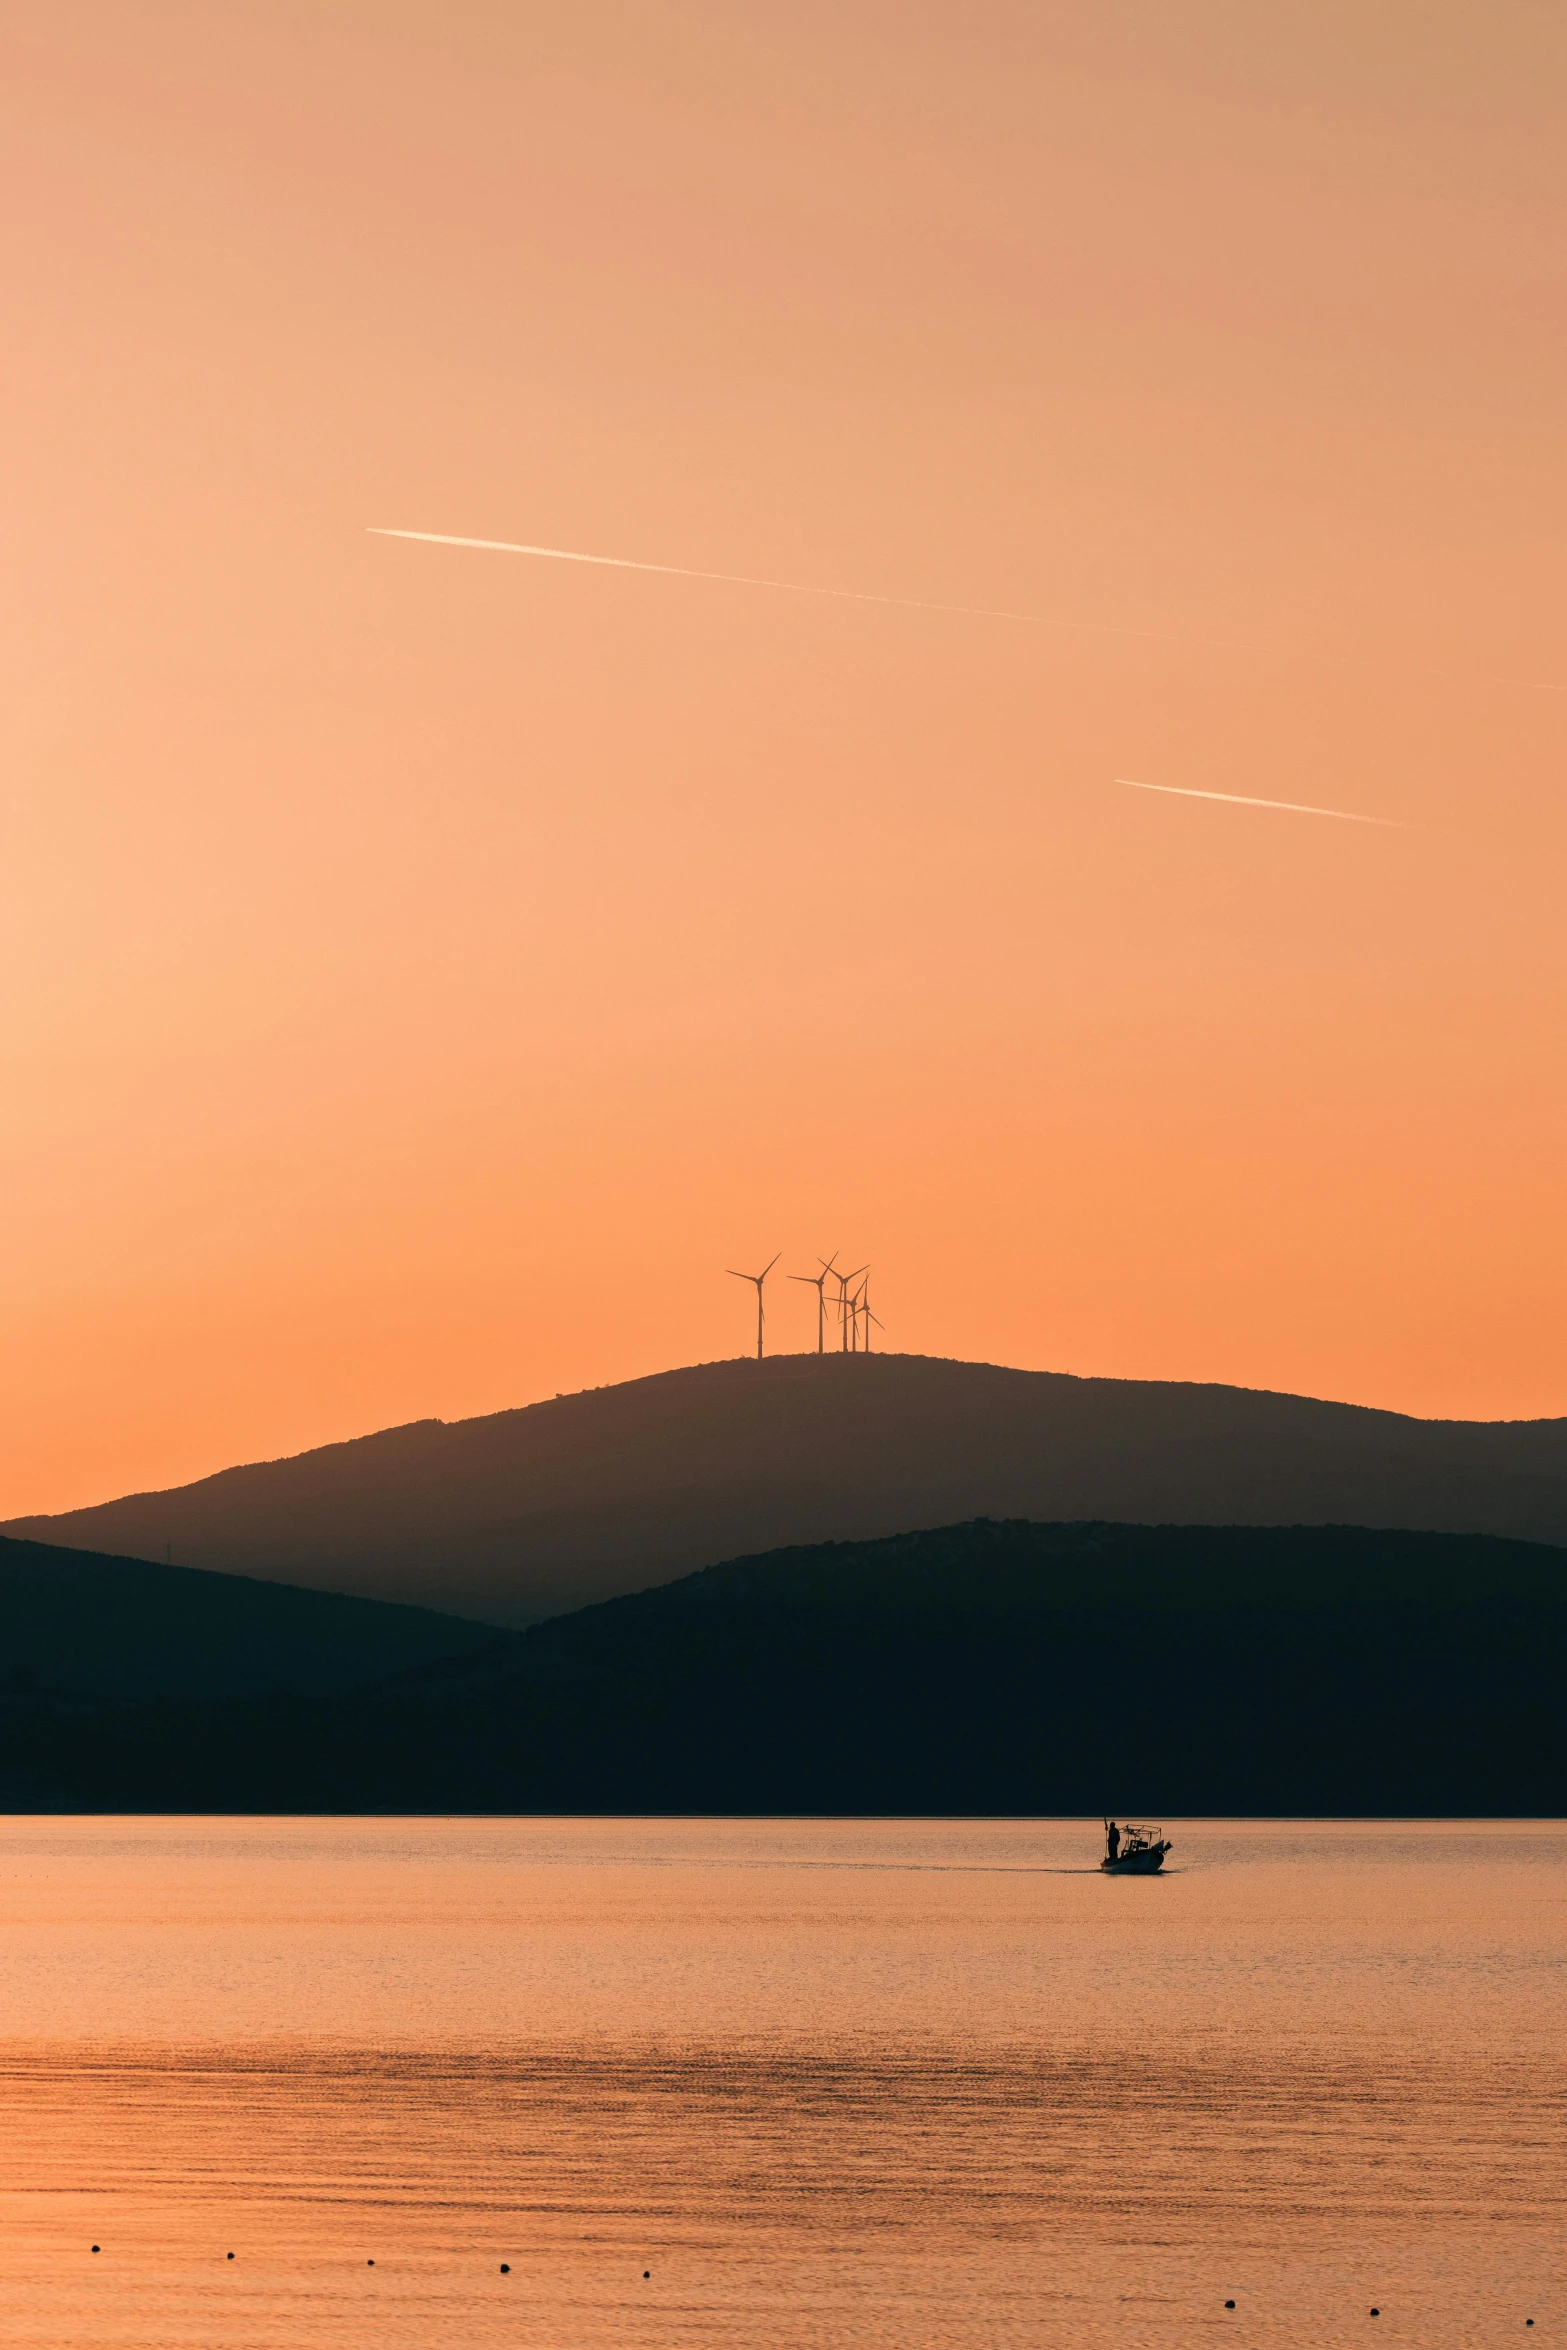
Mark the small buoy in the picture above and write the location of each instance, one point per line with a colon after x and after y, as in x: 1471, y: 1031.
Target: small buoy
x: 646, y: 2273
x: 1376, y: 2313
x: 1229, y: 2305
x: 505, y: 2268
x: 231, y: 2256
x: 371, y: 2264
x: 95, y: 2247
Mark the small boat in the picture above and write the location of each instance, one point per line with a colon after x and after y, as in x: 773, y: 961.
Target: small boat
x: 1140, y: 1854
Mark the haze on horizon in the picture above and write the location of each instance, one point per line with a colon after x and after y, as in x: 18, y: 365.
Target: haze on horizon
x: 425, y: 972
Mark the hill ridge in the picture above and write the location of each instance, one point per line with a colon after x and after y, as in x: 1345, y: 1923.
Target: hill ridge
x: 88, y: 1627
x: 540, y: 1508
x: 992, y: 1667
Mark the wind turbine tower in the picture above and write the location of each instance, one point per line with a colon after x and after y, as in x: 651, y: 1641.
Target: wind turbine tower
x: 845, y: 1304
x: 818, y: 1282
x: 758, y: 1278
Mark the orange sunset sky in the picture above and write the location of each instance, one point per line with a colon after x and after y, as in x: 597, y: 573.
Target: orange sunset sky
x: 426, y: 970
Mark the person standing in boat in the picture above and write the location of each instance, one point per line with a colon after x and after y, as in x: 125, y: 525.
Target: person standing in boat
x: 1112, y: 1841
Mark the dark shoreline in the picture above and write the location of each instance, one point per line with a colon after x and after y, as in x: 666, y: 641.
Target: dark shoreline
x: 996, y: 1669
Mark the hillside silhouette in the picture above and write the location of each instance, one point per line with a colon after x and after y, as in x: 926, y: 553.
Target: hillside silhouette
x: 76, y: 1626
x: 529, y: 1513
x: 990, y: 1667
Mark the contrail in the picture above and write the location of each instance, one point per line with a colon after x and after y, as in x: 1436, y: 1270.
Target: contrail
x: 1240, y: 800
x: 795, y: 587
x: 788, y: 587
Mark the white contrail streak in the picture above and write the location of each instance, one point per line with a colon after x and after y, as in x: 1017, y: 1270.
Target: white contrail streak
x: 795, y: 587
x: 1240, y: 800
x: 788, y: 587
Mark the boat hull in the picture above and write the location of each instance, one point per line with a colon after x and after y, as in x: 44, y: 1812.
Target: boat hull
x: 1137, y: 1864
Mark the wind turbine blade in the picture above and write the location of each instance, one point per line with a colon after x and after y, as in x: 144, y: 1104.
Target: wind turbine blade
x: 766, y: 1269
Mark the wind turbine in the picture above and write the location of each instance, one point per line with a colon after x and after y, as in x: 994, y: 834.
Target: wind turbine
x: 857, y: 1307
x: 865, y: 1309
x: 758, y: 1278
x: 842, y: 1299
x: 818, y: 1282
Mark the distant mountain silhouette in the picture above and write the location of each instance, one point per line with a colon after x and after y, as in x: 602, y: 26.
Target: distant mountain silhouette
x: 1006, y: 1668
x: 76, y: 1626
x: 529, y: 1513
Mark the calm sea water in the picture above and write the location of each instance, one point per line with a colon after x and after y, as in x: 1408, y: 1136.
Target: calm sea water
x: 890, y: 2083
